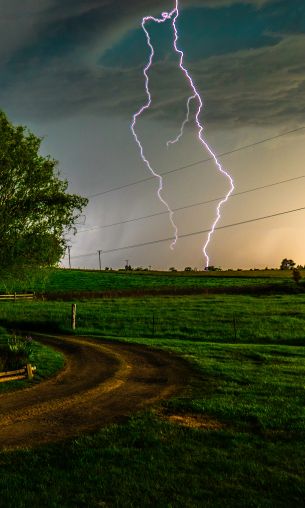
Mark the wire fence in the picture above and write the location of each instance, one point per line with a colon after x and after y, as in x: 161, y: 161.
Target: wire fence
x: 256, y: 329
x: 217, y: 318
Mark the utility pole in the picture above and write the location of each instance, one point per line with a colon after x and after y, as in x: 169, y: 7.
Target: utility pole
x: 69, y: 254
x: 99, y: 258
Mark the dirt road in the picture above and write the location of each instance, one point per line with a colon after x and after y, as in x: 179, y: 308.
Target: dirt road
x: 100, y: 384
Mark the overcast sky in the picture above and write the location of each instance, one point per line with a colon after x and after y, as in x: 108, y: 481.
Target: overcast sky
x: 72, y: 71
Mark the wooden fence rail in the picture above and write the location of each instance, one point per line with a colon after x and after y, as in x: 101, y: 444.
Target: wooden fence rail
x: 26, y: 372
x: 18, y: 296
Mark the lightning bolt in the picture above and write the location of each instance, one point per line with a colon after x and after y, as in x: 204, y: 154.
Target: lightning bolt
x: 187, y: 119
x: 173, y: 16
x: 140, y: 112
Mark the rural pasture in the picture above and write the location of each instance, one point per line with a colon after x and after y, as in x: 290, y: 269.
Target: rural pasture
x: 74, y: 281
x: 233, y: 437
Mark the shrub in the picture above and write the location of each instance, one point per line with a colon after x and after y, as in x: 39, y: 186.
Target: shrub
x: 16, y: 353
x: 20, y: 345
x: 296, y: 275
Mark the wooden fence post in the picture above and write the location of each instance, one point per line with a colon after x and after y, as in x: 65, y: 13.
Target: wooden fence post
x: 73, y: 316
x: 29, y: 371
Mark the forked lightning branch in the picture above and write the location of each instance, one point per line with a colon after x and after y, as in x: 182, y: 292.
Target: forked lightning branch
x: 172, y: 17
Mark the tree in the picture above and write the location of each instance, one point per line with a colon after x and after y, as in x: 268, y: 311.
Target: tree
x: 296, y: 275
x: 287, y: 264
x: 36, y: 212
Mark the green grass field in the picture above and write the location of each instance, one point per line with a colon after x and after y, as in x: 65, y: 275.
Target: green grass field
x: 249, y: 391
x: 277, y: 319
x: 63, y: 280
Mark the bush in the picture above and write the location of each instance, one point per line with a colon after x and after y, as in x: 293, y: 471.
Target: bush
x: 16, y: 353
x: 296, y: 275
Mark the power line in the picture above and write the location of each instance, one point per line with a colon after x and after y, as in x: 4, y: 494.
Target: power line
x: 95, y: 228
x: 194, y: 233
x: 202, y: 161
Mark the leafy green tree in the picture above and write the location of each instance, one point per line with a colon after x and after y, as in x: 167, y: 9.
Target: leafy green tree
x: 287, y: 264
x: 36, y: 212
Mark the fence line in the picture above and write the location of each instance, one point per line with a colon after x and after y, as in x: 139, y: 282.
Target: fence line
x: 26, y: 372
x: 18, y: 296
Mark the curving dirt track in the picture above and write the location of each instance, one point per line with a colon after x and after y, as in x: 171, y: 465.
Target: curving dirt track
x: 101, y: 383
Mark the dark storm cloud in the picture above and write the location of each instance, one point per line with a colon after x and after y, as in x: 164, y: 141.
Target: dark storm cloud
x: 53, y: 67
x: 23, y: 23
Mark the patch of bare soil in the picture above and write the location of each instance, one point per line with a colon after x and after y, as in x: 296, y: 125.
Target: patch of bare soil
x: 194, y: 421
x: 101, y: 383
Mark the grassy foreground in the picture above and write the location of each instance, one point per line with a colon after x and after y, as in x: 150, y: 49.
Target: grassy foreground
x: 249, y: 452
x: 242, y: 439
